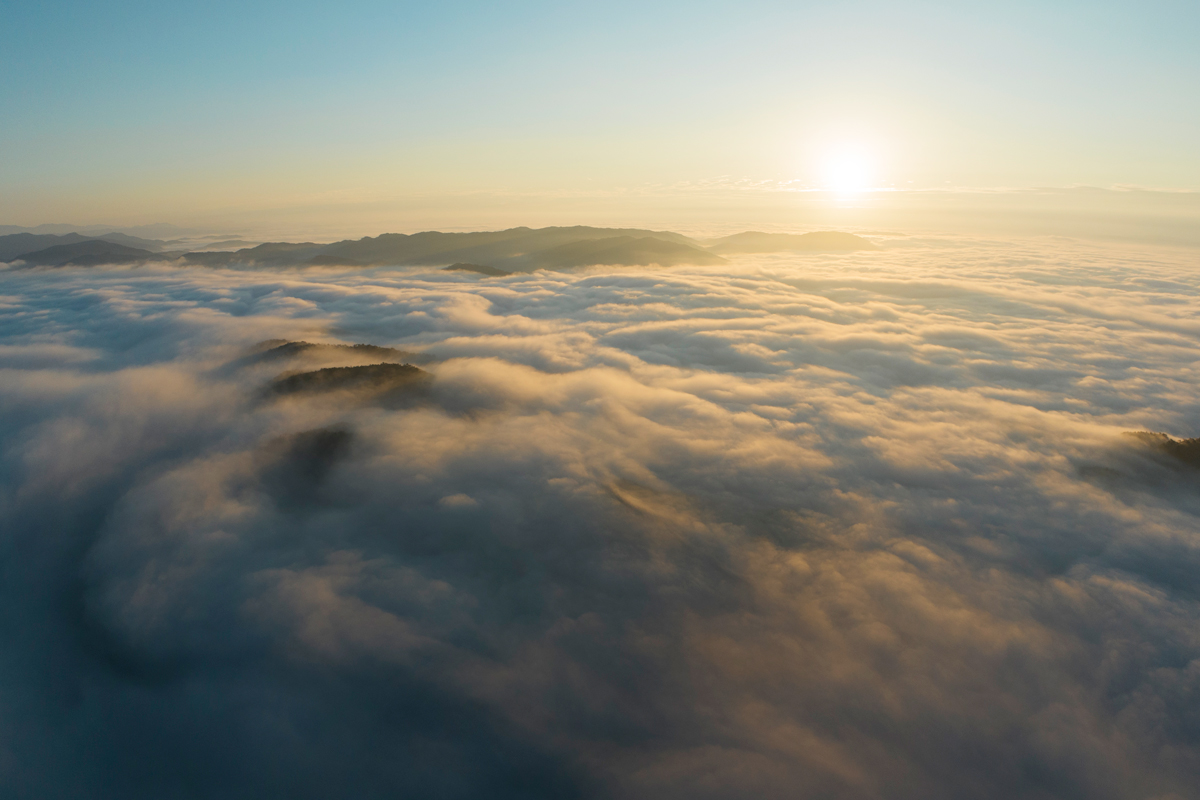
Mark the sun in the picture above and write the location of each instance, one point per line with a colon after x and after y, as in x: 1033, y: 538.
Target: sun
x: 847, y: 169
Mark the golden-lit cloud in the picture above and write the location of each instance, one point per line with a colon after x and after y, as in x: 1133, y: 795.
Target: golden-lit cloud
x: 806, y: 525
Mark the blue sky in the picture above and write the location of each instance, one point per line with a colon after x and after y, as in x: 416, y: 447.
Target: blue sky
x: 137, y: 107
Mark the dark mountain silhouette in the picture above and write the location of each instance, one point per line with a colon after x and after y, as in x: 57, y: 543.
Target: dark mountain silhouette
x: 491, y: 272
x: 297, y: 357
x: 88, y: 253
x: 281, y: 350
x: 622, y: 251
x: 1183, y: 451
x: 515, y: 249
x: 132, y: 241
x: 434, y: 247
x: 377, y: 382
x: 513, y: 246
x: 17, y: 244
x: 756, y: 242
x: 1116, y: 472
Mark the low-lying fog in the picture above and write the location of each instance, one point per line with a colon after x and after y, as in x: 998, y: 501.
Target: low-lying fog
x: 802, y: 526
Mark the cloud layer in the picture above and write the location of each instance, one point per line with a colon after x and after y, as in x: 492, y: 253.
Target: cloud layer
x: 805, y: 526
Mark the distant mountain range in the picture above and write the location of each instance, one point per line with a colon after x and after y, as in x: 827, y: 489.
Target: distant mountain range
x: 512, y: 250
x: 486, y: 252
x: 88, y: 253
x: 16, y: 245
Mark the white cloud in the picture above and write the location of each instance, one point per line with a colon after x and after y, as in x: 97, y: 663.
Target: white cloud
x: 852, y: 526
x: 459, y: 500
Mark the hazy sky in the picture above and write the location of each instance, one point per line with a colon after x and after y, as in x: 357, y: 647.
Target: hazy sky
x: 140, y: 111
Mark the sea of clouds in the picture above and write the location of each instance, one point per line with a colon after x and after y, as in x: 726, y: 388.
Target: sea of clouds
x: 808, y: 526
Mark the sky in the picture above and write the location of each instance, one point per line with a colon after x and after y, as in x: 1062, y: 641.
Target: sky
x: 209, y: 113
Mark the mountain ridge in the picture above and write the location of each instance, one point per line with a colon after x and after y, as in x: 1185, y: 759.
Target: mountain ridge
x: 520, y: 249
x: 87, y: 253
x: 15, y: 245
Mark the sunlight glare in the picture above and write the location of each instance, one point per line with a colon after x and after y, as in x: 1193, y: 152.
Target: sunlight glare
x: 847, y: 169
